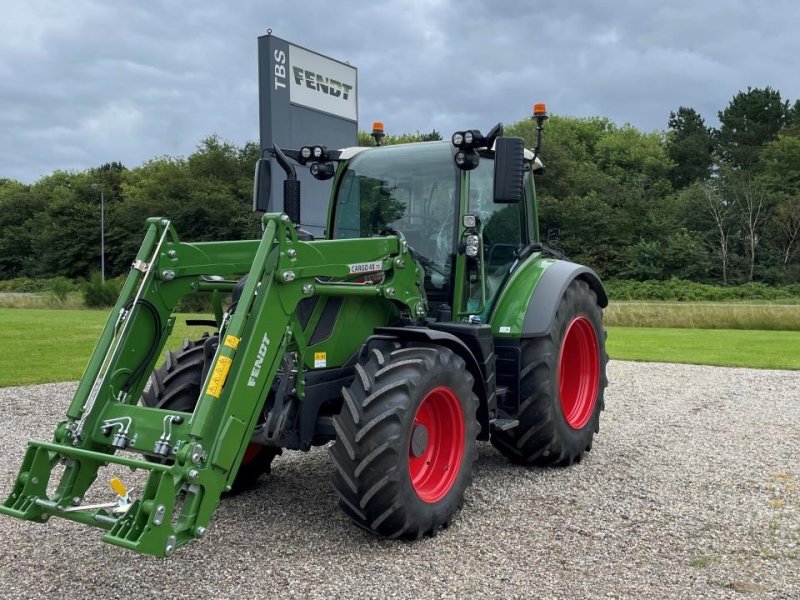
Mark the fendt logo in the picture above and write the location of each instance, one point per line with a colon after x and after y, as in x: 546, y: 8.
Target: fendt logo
x: 321, y: 83
x: 259, y: 362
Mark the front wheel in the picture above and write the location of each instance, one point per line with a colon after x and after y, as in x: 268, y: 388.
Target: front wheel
x: 176, y: 385
x: 405, y: 441
x: 561, y: 381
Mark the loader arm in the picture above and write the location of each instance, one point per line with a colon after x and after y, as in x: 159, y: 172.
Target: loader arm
x: 199, y: 453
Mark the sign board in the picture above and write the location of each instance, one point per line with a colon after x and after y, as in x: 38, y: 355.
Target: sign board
x: 322, y: 84
x: 305, y: 99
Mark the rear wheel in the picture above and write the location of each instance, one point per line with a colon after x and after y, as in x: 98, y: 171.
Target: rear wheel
x: 176, y: 386
x: 405, y: 441
x: 562, y: 381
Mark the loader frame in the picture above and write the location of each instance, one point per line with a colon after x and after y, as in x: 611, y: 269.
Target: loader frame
x: 195, y: 456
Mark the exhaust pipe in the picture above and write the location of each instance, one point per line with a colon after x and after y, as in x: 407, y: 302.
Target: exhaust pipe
x: 291, y: 187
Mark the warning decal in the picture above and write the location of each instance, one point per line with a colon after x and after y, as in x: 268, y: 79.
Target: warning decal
x: 219, y: 376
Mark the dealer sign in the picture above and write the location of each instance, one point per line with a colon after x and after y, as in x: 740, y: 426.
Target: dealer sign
x: 323, y: 84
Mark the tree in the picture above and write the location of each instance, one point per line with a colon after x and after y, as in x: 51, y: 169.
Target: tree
x: 750, y: 200
x: 720, y: 212
x: 786, y: 228
x: 793, y: 119
x: 750, y: 121
x: 690, y: 146
x: 779, y: 167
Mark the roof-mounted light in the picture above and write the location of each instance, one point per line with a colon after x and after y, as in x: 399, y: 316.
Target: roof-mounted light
x: 469, y: 139
x: 377, y: 133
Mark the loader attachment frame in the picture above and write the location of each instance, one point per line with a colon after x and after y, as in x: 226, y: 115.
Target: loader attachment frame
x: 196, y: 455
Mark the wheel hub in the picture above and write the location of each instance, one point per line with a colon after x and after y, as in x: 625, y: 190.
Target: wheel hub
x: 419, y: 440
x: 436, y: 444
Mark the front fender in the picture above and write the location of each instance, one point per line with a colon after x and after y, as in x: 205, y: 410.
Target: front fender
x: 527, y: 305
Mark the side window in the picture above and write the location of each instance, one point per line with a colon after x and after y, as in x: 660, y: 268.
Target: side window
x: 501, y: 224
x: 501, y: 227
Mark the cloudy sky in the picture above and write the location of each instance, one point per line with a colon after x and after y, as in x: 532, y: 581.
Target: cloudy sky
x: 91, y: 81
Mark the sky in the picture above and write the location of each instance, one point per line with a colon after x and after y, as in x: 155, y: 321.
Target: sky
x: 87, y: 82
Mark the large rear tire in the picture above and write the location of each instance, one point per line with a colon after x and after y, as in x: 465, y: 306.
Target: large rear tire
x: 562, y: 381
x: 405, y: 441
x: 176, y: 386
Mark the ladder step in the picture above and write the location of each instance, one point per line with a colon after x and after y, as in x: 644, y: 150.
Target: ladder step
x: 504, y: 424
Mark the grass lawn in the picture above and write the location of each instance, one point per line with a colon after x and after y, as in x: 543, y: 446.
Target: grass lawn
x: 705, y: 315
x: 724, y: 347
x: 39, y: 345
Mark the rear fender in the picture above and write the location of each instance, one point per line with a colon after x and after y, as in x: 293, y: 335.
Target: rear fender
x: 527, y: 306
x: 448, y: 340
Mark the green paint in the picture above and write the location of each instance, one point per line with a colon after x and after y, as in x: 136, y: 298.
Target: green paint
x: 208, y: 445
x: 513, y: 301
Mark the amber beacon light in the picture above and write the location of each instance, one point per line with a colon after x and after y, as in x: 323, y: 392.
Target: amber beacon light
x: 377, y: 132
x: 540, y: 116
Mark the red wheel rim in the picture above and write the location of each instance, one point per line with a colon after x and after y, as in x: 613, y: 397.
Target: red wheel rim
x: 578, y: 372
x: 434, y: 471
x: 251, y: 452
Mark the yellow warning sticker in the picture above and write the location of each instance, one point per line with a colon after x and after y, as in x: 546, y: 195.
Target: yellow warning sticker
x: 218, y: 376
x: 320, y: 360
x: 231, y: 341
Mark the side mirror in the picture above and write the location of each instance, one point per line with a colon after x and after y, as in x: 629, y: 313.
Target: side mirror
x: 262, y: 186
x: 509, y: 170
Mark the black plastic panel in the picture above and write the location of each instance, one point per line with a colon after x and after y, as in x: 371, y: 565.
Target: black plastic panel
x: 327, y: 320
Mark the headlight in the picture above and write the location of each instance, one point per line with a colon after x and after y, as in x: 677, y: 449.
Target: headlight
x: 305, y: 152
x: 468, y: 138
x: 317, y: 151
x: 458, y: 139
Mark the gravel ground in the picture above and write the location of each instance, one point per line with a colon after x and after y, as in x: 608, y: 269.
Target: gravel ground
x: 691, y: 491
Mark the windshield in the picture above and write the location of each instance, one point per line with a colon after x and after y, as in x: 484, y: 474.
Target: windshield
x: 408, y: 188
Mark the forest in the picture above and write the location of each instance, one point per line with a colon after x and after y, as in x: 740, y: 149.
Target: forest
x: 707, y: 204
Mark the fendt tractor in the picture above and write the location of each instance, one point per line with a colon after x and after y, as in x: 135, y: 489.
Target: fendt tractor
x: 429, y: 316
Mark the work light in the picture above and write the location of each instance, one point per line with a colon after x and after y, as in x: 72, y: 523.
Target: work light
x: 472, y: 243
x: 322, y: 171
x: 466, y: 159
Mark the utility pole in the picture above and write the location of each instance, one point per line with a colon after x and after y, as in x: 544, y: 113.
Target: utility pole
x: 102, y: 232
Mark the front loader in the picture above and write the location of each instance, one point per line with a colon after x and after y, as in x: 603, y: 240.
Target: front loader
x: 428, y: 317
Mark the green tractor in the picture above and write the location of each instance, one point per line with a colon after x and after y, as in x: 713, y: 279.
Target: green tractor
x: 428, y: 317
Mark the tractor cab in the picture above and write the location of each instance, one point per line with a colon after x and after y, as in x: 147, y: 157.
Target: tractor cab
x: 464, y: 236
